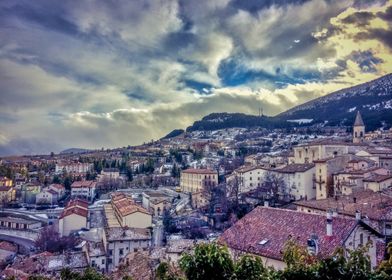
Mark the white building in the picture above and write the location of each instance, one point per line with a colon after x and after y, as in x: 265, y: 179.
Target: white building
x: 298, y: 180
x: 248, y: 178
x: 46, y: 196
x: 73, y: 167
x: 74, y: 217
x: 83, y: 189
x: 120, y: 241
x: 109, y: 174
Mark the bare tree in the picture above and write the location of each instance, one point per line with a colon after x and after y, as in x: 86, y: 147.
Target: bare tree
x: 50, y: 240
x: 233, y: 189
x: 273, y: 185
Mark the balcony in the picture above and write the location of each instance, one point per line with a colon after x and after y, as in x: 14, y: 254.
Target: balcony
x: 318, y: 181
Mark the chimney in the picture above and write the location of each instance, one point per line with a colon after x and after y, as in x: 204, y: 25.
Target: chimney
x: 266, y: 203
x: 329, y: 223
x: 358, y: 215
x: 334, y: 212
x: 313, y: 244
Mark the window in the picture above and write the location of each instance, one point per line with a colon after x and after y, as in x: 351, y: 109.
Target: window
x: 121, y: 251
x: 110, y: 252
x: 103, y: 261
x: 361, y: 239
x: 109, y: 261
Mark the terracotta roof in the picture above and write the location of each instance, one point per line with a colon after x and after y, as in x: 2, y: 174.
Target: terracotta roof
x: 31, y: 264
x: 53, y: 192
x: 377, y: 178
x: 83, y: 184
x: 18, y: 274
x: 57, y: 186
x: 265, y: 230
x: 139, y: 265
x: 199, y: 171
x: 359, y: 171
x: 77, y: 202
x: 125, y: 233
x: 376, y: 206
x: 7, y: 246
x: 74, y: 210
x: 331, y: 142
x: 244, y: 169
x: 126, y: 206
x: 5, y: 188
x: 295, y: 167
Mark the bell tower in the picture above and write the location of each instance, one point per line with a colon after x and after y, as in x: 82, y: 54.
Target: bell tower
x: 358, y: 129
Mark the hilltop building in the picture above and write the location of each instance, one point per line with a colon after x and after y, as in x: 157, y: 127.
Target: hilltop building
x: 358, y: 129
x: 195, y: 180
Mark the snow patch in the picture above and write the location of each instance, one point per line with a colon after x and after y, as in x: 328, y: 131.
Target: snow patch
x: 301, y: 121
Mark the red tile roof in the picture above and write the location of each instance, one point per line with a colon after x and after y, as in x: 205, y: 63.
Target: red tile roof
x: 7, y: 246
x: 376, y: 206
x: 200, y: 171
x: 83, y: 184
x: 275, y: 226
x: 77, y: 202
x: 74, y: 210
x: 295, y: 167
x: 57, y: 186
x: 5, y: 188
x: 125, y: 205
x: 75, y: 206
x: 377, y: 178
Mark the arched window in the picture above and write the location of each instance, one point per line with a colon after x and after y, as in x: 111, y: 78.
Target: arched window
x: 361, y: 134
x: 355, y: 134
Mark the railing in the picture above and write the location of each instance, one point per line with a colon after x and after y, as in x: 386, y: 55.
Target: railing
x: 20, y: 233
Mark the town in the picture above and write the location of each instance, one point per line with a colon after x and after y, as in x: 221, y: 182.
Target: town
x: 125, y: 211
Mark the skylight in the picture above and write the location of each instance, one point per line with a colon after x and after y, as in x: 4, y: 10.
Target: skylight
x: 263, y: 242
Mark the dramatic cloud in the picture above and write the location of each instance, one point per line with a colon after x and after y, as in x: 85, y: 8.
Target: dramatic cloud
x: 101, y: 73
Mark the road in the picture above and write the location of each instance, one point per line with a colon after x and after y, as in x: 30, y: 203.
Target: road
x: 158, y: 234
x: 24, y: 245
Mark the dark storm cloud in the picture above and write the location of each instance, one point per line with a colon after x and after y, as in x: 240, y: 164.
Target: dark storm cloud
x: 359, y: 18
x: 365, y: 60
x: 387, y: 16
x: 253, y: 6
x: 383, y: 35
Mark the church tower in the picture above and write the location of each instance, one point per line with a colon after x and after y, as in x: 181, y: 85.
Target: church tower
x: 358, y: 129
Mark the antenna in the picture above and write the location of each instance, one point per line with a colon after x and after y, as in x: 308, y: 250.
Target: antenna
x: 260, y: 111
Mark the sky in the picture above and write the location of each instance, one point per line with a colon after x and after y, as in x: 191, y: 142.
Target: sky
x: 112, y: 73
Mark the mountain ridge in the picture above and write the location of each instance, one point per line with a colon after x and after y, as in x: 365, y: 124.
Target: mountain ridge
x: 373, y: 99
